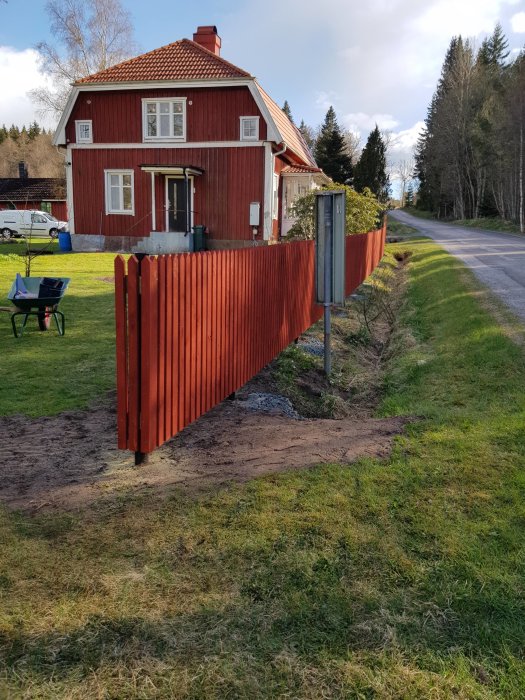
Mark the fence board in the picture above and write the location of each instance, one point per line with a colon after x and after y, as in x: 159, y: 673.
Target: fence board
x: 193, y: 328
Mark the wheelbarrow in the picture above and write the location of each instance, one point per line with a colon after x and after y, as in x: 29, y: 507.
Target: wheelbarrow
x: 40, y: 297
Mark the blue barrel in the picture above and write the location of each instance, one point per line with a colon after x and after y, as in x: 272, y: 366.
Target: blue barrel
x: 64, y: 241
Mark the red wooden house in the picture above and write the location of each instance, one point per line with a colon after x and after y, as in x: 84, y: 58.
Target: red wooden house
x: 174, y: 138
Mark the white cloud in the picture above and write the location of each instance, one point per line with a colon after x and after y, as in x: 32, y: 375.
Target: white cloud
x: 469, y: 17
x: 403, y: 142
x: 361, y: 123
x: 20, y: 74
x: 517, y: 22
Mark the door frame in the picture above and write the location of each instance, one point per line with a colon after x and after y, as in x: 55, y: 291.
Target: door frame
x: 191, y: 185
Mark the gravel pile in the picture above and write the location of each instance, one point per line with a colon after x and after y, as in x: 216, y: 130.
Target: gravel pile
x: 313, y: 346
x: 270, y: 403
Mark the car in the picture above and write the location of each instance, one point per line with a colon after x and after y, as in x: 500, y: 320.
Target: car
x: 29, y: 223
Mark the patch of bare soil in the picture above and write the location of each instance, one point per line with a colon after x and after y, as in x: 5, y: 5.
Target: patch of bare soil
x: 71, y: 460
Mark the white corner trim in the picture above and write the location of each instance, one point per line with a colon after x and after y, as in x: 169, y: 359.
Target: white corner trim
x: 69, y: 190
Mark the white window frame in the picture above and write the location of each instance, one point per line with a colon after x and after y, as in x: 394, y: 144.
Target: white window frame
x: 243, y: 121
x: 159, y: 100
x: 107, y: 185
x: 78, y: 130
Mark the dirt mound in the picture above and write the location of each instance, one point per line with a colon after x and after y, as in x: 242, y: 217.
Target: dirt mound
x: 70, y: 460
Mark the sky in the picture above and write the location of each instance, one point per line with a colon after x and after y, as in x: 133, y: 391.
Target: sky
x: 376, y: 61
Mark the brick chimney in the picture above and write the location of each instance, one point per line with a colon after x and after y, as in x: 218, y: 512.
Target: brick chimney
x: 209, y: 39
x: 22, y: 170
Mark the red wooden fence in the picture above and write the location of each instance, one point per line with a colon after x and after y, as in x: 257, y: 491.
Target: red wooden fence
x: 193, y: 328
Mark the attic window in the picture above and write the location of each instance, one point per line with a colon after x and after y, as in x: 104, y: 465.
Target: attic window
x: 249, y: 128
x: 84, y: 131
x: 164, y: 119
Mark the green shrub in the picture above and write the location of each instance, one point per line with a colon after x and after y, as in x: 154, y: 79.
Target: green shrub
x: 363, y: 212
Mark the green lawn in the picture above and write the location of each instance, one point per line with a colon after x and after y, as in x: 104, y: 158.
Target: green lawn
x: 43, y: 373
x: 401, y: 578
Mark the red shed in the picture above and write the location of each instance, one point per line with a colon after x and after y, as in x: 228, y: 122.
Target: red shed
x: 42, y: 193
x: 174, y: 138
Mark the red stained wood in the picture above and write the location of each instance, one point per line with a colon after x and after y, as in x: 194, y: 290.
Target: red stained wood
x: 134, y: 353
x: 117, y: 115
x: 232, y: 178
x: 205, y: 323
x: 121, y: 351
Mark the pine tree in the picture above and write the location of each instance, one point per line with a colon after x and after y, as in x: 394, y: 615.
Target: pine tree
x: 330, y: 150
x: 370, y: 170
x: 3, y: 133
x: 288, y: 111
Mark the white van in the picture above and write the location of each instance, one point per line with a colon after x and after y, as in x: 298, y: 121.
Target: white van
x: 29, y: 222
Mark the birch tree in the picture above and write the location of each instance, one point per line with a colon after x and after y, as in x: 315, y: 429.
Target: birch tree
x: 89, y: 36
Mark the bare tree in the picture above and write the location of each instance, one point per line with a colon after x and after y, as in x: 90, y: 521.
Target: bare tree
x: 95, y: 34
x: 404, y: 172
x: 353, y: 145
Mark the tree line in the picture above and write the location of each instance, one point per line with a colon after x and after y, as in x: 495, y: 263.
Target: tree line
x: 33, y: 145
x: 469, y: 159
x: 336, y: 152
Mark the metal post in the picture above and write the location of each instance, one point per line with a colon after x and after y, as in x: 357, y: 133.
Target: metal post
x: 328, y: 227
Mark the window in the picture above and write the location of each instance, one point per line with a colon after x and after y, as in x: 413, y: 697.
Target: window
x: 164, y: 120
x: 119, y: 192
x: 249, y: 128
x: 84, y: 131
x: 45, y: 206
x: 38, y: 219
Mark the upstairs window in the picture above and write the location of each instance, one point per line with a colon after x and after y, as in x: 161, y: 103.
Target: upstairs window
x: 164, y: 119
x: 249, y: 128
x: 84, y: 131
x: 119, y: 192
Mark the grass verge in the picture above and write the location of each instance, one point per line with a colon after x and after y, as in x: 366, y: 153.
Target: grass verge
x: 43, y: 373
x: 490, y: 224
x: 401, y: 579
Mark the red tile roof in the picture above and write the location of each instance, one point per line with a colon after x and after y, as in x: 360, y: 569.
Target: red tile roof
x: 300, y: 169
x: 182, y: 60
x: 291, y: 135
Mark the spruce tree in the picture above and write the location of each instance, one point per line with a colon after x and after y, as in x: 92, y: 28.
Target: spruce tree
x: 330, y: 150
x: 370, y: 170
x: 288, y: 111
x: 409, y: 196
x: 14, y: 132
x: 34, y: 130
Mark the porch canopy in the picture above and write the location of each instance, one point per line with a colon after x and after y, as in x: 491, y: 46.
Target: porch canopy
x: 185, y: 171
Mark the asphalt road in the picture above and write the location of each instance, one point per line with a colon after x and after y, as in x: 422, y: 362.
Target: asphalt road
x: 497, y: 259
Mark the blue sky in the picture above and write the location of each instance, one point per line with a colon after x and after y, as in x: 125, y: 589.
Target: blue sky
x: 375, y: 62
